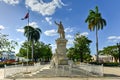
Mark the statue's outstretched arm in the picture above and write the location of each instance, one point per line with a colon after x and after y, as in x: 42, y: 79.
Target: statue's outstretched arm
x: 56, y: 23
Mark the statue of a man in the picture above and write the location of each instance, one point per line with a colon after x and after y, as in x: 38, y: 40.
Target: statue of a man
x: 60, y: 29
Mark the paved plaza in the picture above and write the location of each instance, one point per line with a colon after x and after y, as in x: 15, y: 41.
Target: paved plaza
x: 64, y: 78
x: 110, y: 73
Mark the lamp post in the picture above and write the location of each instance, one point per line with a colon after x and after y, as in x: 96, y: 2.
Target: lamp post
x: 118, y: 45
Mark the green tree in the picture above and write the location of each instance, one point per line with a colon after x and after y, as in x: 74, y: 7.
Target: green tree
x: 82, y: 44
x: 46, y: 51
x: 70, y: 53
x: 33, y: 35
x: 41, y: 51
x: 81, y: 50
x: 6, y: 44
x: 11, y: 45
x: 95, y: 22
x: 3, y: 41
x: 23, y: 50
x: 110, y: 50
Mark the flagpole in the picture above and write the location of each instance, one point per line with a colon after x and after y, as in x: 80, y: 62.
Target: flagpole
x: 28, y: 40
x: 27, y: 17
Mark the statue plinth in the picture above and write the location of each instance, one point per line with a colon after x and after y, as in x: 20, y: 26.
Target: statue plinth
x: 59, y: 57
x: 61, y: 46
x: 61, y: 51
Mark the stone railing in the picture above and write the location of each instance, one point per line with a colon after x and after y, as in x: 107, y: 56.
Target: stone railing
x: 12, y: 70
x: 94, y: 69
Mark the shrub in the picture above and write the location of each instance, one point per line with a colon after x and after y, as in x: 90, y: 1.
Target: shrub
x: 110, y: 64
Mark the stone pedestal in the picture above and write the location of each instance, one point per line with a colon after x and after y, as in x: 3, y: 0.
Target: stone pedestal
x: 60, y: 58
x: 61, y: 51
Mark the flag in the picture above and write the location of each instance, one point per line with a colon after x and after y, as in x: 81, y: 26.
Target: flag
x: 26, y: 16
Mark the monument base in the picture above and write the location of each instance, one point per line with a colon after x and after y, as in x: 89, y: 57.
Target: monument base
x: 60, y: 57
x: 63, y: 62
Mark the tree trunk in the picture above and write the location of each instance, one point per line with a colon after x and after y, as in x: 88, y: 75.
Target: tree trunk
x: 32, y: 50
x: 81, y: 57
x: 116, y: 59
x: 97, y: 56
x: 119, y: 54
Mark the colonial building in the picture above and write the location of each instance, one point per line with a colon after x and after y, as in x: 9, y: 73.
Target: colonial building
x: 104, y: 58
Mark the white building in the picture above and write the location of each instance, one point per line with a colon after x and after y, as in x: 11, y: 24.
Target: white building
x: 104, y: 58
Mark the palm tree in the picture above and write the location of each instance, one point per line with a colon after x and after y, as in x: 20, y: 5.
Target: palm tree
x: 33, y: 35
x: 95, y: 22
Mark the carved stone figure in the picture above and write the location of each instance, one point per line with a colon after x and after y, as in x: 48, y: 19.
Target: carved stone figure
x: 60, y: 29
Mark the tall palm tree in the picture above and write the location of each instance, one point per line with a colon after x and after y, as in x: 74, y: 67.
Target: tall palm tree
x: 33, y: 35
x: 95, y: 22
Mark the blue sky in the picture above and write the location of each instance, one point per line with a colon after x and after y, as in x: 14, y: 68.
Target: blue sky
x: 72, y: 13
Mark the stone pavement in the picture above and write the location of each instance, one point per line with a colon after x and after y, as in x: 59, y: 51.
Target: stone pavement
x: 110, y: 73
x: 1, y: 73
x: 61, y: 71
x: 64, y: 78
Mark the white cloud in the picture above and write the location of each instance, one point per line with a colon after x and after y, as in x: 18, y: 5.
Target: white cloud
x: 44, y: 8
x: 53, y: 47
x: 114, y: 38
x: 69, y: 36
x: 17, y: 39
x: 2, y: 27
x: 50, y: 32
x: 48, y: 19
x: 85, y: 34
x: 21, y: 42
x: 20, y: 30
x: 68, y: 29
x: 11, y: 39
x: 111, y: 37
x: 33, y: 24
x: 12, y: 2
x: 16, y: 50
x: 70, y: 41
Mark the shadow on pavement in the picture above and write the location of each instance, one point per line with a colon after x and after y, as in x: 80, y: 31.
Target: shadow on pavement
x: 111, y: 75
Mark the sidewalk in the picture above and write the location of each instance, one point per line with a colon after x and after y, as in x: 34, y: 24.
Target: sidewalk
x: 64, y: 78
x: 111, y: 71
